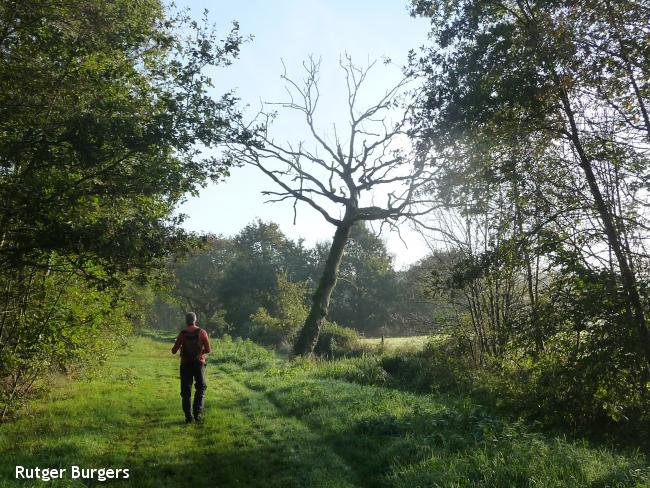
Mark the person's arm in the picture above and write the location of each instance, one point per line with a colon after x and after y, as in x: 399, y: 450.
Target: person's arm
x: 206, y: 342
x: 177, y: 344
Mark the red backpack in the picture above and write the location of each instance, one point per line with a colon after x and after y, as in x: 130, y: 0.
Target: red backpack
x: 192, y: 346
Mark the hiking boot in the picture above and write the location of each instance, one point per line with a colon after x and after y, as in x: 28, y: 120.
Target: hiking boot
x: 188, y: 420
x: 198, y: 418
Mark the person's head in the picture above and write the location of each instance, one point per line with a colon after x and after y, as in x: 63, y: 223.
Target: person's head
x: 190, y: 318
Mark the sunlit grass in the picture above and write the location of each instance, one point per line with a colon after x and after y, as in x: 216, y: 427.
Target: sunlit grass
x: 276, y: 423
x: 396, y: 342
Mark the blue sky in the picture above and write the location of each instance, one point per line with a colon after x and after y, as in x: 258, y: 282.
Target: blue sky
x: 291, y: 30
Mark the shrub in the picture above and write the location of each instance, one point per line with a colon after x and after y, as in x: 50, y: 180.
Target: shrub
x: 563, y: 390
x: 268, y: 330
x: 217, y: 325
x: 336, y: 340
x: 68, y: 325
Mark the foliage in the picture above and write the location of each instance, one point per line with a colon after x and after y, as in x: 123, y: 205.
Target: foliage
x: 586, y: 376
x: 104, y: 108
x: 226, y: 280
x: 336, y: 340
x: 105, y: 114
x: 291, y: 312
x: 197, y: 274
x: 292, y: 299
x: 64, y: 325
x: 419, y: 308
x: 539, y: 110
x: 234, y: 277
x: 268, y: 330
x: 217, y: 324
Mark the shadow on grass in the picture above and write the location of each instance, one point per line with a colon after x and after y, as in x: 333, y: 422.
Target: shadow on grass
x: 267, y: 430
x: 243, y: 442
x: 200, y: 457
x: 166, y: 337
x: 411, y: 440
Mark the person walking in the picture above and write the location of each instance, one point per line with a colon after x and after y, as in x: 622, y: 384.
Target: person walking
x: 194, y: 344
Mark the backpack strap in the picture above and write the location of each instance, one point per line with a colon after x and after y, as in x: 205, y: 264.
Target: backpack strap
x: 185, y: 331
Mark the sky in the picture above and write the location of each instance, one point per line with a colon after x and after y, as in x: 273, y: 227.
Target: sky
x: 290, y: 31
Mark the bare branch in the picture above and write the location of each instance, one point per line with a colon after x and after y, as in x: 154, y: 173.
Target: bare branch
x: 373, y: 158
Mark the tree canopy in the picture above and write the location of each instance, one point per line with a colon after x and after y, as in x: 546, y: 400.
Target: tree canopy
x: 105, y: 112
x: 105, y: 115
x: 540, y: 111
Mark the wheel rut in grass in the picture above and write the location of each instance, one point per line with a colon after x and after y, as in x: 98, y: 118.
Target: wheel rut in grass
x: 251, y: 442
x: 321, y: 408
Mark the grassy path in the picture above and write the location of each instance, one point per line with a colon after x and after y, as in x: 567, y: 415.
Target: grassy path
x: 131, y: 418
x: 271, y: 424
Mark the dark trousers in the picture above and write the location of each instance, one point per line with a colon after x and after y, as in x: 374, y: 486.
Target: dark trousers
x: 193, y: 372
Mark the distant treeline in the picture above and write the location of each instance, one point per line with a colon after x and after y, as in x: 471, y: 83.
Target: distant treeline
x: 258, y: 284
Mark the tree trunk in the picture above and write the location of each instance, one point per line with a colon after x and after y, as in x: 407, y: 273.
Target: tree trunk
x: 537, y: 333
x: 321, y: 300
x: 628, y: 276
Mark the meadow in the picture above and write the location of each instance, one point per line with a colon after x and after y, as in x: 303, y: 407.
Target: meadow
x: 271, y: 422
x: 396, y: 342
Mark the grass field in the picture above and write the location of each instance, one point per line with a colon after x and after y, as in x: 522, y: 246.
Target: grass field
x: 396, y: 342
x: 273, y: 423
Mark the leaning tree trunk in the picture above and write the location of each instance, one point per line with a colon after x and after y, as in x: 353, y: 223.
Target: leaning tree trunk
x: 321, y: 299
x: 629, y: 281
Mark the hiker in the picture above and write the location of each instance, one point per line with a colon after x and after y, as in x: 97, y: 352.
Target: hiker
x: 194, y: 345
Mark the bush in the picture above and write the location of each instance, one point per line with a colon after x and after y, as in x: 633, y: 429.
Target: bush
x: 562, y: 390
x: 335, y: 340
x: 267, y: 330
x: 217, y: 325
x: 68, y: 325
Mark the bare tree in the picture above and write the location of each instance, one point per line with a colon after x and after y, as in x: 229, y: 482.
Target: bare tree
x: 342, y: 178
